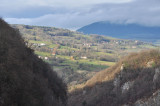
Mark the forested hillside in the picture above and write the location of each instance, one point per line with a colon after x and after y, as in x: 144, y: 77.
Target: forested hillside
x: 26, y: 80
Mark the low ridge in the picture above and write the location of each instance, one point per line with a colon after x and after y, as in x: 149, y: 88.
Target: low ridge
x: 132, y: 79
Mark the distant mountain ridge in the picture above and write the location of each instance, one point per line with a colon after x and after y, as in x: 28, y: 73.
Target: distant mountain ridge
x: 124, y: 31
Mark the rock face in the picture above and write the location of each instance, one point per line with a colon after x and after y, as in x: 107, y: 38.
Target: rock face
x: 152, y: 101
x: 25, y: 80
x: 156, y: 77
x: 126, y: 86
x: 128, y: 83
x: 150, y: 64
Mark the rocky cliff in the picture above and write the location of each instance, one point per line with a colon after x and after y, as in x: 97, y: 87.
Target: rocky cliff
x: 133, y: 81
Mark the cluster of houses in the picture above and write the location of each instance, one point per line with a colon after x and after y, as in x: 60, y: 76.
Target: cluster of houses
x: 45, y: 58
x: 37, y: 44
x: 86, y: 44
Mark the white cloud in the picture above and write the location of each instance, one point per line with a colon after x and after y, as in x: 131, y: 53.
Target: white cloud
x: 66, y: 14
x: 82, y: 3
x: 68, y: 3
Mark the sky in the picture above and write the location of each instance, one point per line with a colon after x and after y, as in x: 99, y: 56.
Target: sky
x: 74, y: 14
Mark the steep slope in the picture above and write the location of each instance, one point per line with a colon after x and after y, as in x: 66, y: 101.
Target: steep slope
x: 25, y: 80
x: 124, y: 31
x: 131, y: 80
x: 154, y: 100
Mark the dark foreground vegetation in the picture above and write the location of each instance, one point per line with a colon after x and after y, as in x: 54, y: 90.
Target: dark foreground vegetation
x: 25, y: 80
x: 133, y: 78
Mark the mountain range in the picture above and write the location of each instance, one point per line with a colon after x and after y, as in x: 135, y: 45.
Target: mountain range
x: 123, y: 31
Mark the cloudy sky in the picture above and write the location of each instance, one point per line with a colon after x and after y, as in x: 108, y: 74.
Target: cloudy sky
x: 73, y: 14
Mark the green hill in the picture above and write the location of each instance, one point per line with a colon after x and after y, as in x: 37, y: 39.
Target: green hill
x: 77, y: 57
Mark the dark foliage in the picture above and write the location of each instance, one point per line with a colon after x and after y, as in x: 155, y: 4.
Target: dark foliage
x: 25, y: 80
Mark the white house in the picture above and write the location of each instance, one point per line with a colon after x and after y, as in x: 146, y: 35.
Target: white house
x: 46, y: 58
x: 83, y: 57
x: 42, y: 44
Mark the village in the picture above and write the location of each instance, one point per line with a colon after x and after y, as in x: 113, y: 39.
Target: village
x: 73, y: 54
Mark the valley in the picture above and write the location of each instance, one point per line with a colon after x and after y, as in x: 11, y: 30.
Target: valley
x: 74, y: 56
x: 66, y: 68
x: 80, y: 53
